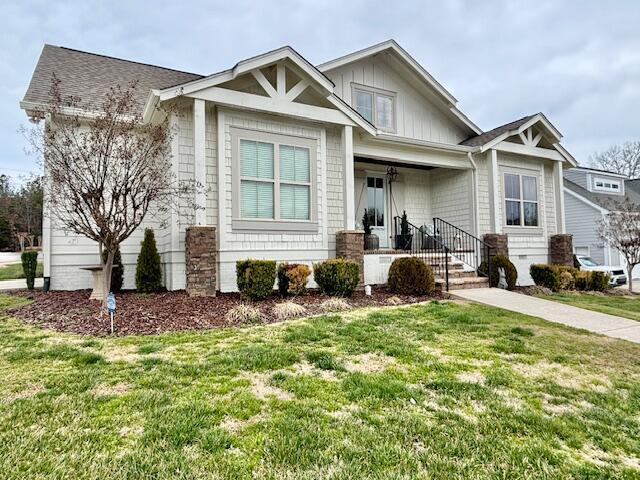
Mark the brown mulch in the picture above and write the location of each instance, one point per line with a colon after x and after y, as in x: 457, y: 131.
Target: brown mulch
x: 72, y: 311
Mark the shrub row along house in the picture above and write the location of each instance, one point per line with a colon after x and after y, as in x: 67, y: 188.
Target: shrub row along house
x: 292, y: 155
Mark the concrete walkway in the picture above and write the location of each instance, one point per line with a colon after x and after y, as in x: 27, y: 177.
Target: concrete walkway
x: 609, y: 325
x: 18, y: 284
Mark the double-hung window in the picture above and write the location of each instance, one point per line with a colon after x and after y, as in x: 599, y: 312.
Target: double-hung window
x: 274, y: 181
x: 521, y: 200
x: 376, y: 107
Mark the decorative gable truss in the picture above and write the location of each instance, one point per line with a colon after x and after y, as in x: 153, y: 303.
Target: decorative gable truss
x: 537, y: 137
x: 279, y: 82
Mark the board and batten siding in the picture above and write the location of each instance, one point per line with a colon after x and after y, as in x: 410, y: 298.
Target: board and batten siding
x: 581, y: 220
x: 416, y: 117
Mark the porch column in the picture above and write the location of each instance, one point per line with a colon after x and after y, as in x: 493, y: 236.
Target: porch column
x: 558, y: 185
x: 349, y: 196
x: 496, y: 221
x: 199, y: 160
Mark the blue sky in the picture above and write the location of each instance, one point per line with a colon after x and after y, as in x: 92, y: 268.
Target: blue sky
x: 577, y: 61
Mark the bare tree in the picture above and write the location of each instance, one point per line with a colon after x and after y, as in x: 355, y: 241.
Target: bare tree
x: 623, y: 159
x: 105, y: 168
x: 620, y: 229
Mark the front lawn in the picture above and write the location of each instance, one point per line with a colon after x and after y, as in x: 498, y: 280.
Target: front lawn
x: 14, y: 271
x: 622, y: 306
x: 437, y: 390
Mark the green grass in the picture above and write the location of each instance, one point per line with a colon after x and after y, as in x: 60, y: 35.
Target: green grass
x: 13, y: 271
x: 622, y: 306
x: 432, y: 391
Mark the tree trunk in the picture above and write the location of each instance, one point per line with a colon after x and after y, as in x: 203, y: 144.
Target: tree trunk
x: 629, y: 277
x: 108, y: 266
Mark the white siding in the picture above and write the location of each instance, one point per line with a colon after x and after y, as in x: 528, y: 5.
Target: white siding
x: 416, y: 117
x: 581, y: 220
x: 452, y: 197
x: 293, y: 246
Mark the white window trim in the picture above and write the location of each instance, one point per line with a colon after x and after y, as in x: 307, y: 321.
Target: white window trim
x: 603, y: 188
x: 576, y: 247
x: 375, y: 92
x: 275, y: 225
x: 521, y: 200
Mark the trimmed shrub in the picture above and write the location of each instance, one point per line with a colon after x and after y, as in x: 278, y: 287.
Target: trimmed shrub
x: 510, y: 271
x: 567, y: 280
x: 545, y: 276
x: 292, y: 278
x: 255, y: 278
x: 582, y: 280
x: 411, y: 276
x: 148, y: 268
x: 599, y: 281
x: 29, y: 266
x: 337, y: 277
x: 117, y: 272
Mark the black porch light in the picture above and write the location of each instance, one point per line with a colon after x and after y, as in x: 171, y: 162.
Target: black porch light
x: 392, y: 174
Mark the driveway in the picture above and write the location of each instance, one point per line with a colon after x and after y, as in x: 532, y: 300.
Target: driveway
x: 19, y: 284
x: 7, y: 258
x: 609, y: 325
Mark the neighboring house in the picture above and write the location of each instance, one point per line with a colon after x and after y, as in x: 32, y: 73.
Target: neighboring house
x: 588, y: 195
x: 292, y: 153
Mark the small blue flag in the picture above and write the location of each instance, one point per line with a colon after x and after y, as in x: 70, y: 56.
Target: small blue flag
x: 111, y: 303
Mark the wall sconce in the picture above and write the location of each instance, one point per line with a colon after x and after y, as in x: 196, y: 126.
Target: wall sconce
x: 392, y: 174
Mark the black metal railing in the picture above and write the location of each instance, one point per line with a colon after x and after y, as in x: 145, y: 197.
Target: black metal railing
x: 417, y: 242
x: 464, y: 246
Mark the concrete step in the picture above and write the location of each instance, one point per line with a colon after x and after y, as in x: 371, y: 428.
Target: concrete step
x: 458, y: 283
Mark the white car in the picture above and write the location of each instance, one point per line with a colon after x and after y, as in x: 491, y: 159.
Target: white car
x: 616, y: 274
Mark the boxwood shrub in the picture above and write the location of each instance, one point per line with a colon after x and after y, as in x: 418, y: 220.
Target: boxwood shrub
x: 510, y: 271
x: 29, y: 260
x: 255, y: 278
x: 292, y: 278
x: 556, y: 277
x: 337, y: 277
x: 545, y: 275
x: 411, y: 276
x: 599, y: 281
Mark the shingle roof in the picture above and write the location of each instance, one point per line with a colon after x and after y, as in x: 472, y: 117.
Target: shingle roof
x: 486, y: 137
x: 89, y: 76
x: 604, y: 200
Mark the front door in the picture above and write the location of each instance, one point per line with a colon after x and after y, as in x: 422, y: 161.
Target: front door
x: 376, y: 208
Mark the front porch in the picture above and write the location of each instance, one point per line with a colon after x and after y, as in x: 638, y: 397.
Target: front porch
x: 425, y: 211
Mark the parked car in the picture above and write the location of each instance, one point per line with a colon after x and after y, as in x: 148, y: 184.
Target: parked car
x: 616, y: 274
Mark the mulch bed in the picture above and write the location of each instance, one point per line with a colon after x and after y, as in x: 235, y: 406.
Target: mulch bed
x: 72, y: 311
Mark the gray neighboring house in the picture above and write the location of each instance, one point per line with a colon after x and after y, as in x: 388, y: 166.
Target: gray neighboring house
x: 588, y: 194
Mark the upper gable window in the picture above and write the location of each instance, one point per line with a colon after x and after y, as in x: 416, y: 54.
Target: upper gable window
x: 375, y: 106
x: 604, y: 185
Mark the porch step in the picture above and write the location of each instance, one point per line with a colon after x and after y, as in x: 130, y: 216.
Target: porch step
x: 459, y: 283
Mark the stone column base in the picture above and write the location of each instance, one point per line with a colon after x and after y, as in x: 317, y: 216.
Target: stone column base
x: 350, y: 245
x: 498, y: 241
x: 561, y: 249
x: 201, y: 257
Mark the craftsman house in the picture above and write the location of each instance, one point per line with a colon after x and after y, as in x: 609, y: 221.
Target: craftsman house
x: 292, y: 155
